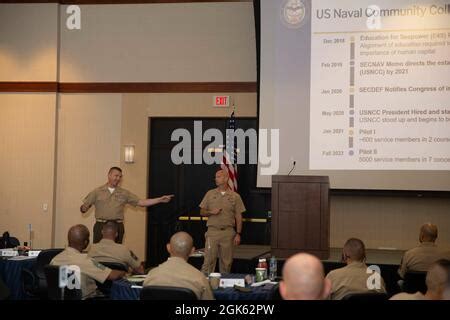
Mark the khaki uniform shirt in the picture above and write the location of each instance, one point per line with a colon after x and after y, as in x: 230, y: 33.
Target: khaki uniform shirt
x: 91, y: 271
x: 350, y: 279
x: 176, y: 272
x: 421, y: 257
x: 409, y: 296
x: 109, y: 251
x: 110, y: 206
x: 230, y: 203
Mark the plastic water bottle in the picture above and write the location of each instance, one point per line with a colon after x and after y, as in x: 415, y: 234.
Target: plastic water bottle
x: 273, y: 268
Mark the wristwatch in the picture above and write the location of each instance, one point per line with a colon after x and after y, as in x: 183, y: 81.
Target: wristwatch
x: 238, y: 233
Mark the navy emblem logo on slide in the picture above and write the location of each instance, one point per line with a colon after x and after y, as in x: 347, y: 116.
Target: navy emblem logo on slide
x: 293, y: 13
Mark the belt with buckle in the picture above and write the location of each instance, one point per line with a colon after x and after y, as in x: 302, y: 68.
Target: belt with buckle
x: 220, y: 228
x: 106, y: 220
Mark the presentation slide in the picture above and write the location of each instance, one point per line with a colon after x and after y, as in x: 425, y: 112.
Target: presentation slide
x: 360, y: 91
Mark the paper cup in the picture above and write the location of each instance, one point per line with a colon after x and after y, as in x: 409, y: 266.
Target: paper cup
x: 214, y: 280
x: 260, y: 272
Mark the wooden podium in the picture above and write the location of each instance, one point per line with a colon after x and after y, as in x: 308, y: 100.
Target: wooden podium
x: 300, y: 216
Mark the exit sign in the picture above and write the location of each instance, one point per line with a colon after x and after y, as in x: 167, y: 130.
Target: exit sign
x: 221, y: 101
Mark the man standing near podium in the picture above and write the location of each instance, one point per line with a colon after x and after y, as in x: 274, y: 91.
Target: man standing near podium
x: 224, y: 209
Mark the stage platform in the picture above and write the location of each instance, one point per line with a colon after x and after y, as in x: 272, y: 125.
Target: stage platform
x: 374, y: 256
x: 248, y: 251
x: 245, y: 258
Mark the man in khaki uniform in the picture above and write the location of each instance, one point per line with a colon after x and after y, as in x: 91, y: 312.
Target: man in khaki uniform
x: 436, y: 280
x: 177, y: 272
x: 303, y: 279
x: 224, y: 209
x: 421, y: 257
x: 110, y: 200
x: 352, y: 278
x: 107, y: 250
x: 91, y: 271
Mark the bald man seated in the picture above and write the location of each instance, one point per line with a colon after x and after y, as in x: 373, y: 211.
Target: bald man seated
x: 303, y: 279
x: 177, y: 272
x: 91, y: 270
x: 353, y: 278
x: 437, y: 279
x: 107, y: 250
x: 425, y: 254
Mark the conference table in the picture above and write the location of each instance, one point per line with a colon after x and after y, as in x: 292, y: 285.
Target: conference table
x: 125, y: 290
x: 11, y: 274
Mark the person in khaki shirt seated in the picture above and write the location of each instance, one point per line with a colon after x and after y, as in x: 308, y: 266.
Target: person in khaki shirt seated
x: 109, y: 251
x: 352, y: 278
x: 91, y: 271
x: 110, y: 200
x: 421, y: 257
x: 437, y: 278
x: 224, y: 209
x: 303, y: 279
x: 177, y: 272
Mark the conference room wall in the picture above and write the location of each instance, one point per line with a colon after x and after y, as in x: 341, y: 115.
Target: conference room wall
x: 387, y: 222
x: 28, y: 52
x: 136, y: 111
x: 27, y: 154
x: 28, y: 42
x: 182, y: 42
x: 88, y: 144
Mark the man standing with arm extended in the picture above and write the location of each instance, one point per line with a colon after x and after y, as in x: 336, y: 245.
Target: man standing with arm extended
x: 224, y: 209
x: 110, y: 200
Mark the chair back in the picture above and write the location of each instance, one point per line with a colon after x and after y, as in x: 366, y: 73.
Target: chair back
x: 167, y: 293
x: 44, y: 258
x: 415, y: 281
x: 275, y: 293
x: 366, y: 296
x: 105, y: 287
x: 4, y: 290
x: 6, y: 241
x: 34, y: 283
x: 54, y: 291
x: 115, y: 265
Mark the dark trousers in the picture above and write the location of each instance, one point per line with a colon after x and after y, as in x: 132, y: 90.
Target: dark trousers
x: 98, y: 226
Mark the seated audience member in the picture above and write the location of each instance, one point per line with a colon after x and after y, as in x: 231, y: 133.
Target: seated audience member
x: 304, y: 279
x: 177, y: 272
x: 446, y: 294
x: 421, y: 257
x: 91, y: 270
x: 6, y: 241
x: 437, y: 280
x: 107, y: 250
x: 353, y: 277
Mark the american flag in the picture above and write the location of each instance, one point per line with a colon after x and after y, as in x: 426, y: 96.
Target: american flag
x: 229, y: 157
